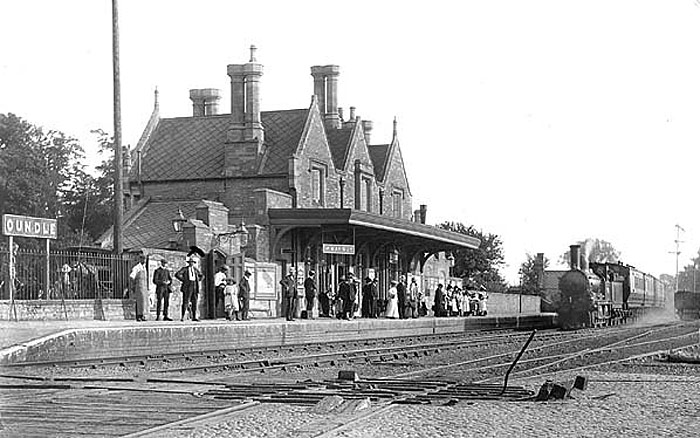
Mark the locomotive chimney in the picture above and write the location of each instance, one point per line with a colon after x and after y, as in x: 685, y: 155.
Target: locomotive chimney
x: 575, y: 256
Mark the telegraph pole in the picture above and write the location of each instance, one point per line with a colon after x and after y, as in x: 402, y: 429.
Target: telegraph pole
x: 677, y: 252
x: 117, y: 238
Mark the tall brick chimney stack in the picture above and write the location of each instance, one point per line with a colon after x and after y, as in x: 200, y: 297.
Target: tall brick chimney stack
x: 245, y: 136
x: 205, y: 101
x: 423, y: 209
x: 367, y: 126
x: 326, y: 91
x: 246, y: 124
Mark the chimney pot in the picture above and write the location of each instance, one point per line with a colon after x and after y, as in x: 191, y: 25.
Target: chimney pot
x: 352, y: 113
x: 423, y: 213
x: 252, y: 53
x: 205, y: 101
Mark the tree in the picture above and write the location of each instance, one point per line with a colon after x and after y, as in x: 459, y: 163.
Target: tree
x: 89, y: 203
x: 595, y: 250
x: 479, y: 267
x: 530, y: 279
x: 689, y: 276
x: 37, y: 169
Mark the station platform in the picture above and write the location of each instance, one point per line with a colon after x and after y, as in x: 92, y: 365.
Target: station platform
x: 39, y: 341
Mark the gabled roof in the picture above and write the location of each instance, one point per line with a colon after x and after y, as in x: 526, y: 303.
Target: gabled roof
x: 339, y: 143
x: 379, y: 154
x: 193, y: 147
x: 149, y: 223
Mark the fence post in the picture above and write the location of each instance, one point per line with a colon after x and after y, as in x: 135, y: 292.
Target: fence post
x: 12, y: 275
x: 48, y: 272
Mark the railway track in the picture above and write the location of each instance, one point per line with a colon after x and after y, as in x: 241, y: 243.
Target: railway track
x: 255, y: 353
x: 117, y: 404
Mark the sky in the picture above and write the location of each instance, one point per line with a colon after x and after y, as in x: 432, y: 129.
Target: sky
x: 544, y: 122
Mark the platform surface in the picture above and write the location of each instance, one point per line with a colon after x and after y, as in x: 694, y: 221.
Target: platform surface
x: 29, y: 341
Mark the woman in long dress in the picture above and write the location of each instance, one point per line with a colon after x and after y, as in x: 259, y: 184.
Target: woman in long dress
x: 231, y: 303
x: 392, y: 307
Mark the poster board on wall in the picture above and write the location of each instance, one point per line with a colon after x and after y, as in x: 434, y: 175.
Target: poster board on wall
x: 263, y: 282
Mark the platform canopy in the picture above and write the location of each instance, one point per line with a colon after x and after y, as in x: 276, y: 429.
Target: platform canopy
x: 369, y: 225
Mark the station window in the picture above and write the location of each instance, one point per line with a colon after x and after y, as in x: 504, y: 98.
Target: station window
x: 317, y: 192
x: 397, y: 203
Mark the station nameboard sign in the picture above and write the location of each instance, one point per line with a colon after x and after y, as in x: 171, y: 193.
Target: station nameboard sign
x: 332, y: 248
x: 25, y: 226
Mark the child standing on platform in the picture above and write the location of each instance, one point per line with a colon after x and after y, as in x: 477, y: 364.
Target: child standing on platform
x: 231, y: 304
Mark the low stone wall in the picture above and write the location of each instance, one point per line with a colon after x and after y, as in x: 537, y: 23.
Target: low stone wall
x: 55, y: 310
x: 512, y: 304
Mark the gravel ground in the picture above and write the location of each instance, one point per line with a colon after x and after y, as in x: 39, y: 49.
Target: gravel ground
x: 615, y: 404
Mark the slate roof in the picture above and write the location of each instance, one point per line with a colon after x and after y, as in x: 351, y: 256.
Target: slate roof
x: 379, y: 154
x: 193, y: 147
x: 149, y: 223
x: 283, y: 131
x: 339, y: 143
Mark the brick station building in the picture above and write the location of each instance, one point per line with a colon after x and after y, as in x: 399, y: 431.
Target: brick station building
x: 301, y: 189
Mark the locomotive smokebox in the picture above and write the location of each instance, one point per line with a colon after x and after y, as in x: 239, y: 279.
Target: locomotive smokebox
x: 575, y: 257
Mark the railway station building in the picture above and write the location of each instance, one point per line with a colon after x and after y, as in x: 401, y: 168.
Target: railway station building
x: 280, y: 191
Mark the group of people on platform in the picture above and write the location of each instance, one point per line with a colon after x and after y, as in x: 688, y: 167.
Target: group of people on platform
x: 403, y: 300
x: 235, y: 297
x: 454, y: 301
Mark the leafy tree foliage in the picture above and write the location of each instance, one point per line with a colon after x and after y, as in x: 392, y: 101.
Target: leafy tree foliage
x: 42, y: 175
x: 596, y: 250
x: 480, y: 267
x: 529, y: 275
x: 689, y: 275
x: 89, y: 203
x: 37, y: 169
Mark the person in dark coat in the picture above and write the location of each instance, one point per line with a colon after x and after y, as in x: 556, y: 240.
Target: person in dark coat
x: 310, y: 293
x: 366, y: 295
x: 401, y: 292
x: 348, y: 293
x: 163, y: 281
x: 369, y: 298
x: 289, y: 294
x: 244, y: 295
x: 438, y: 305
x: 190, y: 277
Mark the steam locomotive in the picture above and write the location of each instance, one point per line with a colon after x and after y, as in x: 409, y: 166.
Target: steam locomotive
x: 600, y: 294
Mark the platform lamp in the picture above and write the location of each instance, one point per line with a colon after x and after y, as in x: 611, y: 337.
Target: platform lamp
x: 178, y: 223
x: 234, y: 243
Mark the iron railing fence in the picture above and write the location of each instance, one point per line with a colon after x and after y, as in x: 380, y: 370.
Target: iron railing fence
x: 72, y: 275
